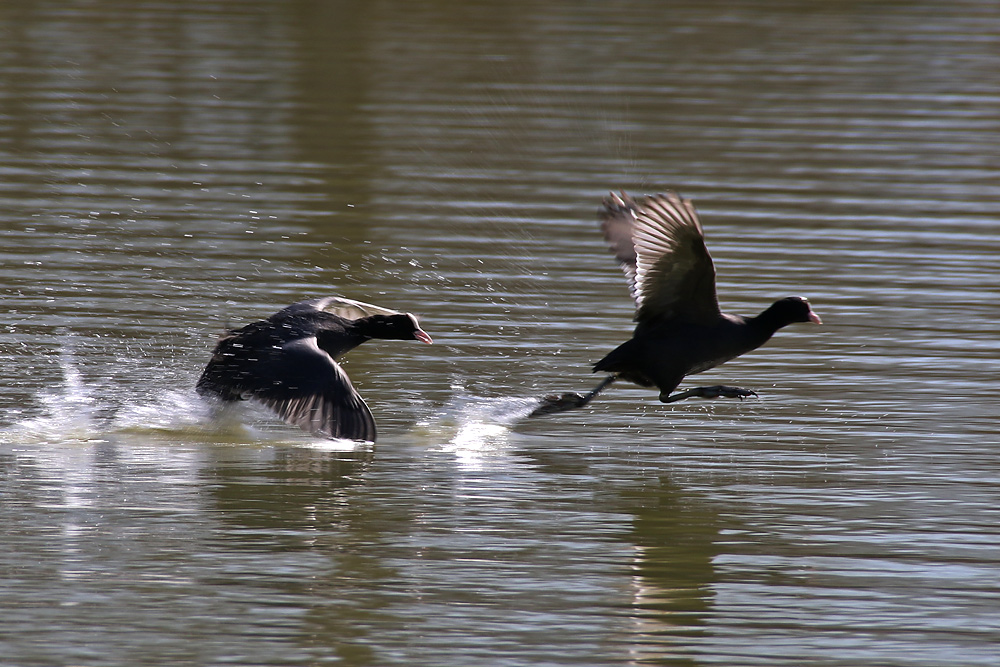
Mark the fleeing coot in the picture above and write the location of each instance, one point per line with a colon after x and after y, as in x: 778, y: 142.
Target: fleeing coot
x: 288, y: 363
x: 680, y: 330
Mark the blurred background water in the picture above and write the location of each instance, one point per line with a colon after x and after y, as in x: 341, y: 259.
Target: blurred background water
x: 168, y: 169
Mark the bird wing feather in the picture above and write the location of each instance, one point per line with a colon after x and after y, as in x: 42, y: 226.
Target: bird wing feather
x: 349, y: 309
x: 307, y: 388
x: 617, y: 217
x: 670, y: 272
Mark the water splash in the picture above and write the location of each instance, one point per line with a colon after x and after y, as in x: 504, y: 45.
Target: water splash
x: 69, y: 411
x: 472, y: 425
x: 82, y: 408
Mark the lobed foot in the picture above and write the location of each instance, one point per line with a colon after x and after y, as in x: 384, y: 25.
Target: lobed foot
x: 554, y: 403
x: 560, y: 403
x: 717, y: 391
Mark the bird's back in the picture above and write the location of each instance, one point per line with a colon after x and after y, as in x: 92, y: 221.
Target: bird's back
x: 236, y: 355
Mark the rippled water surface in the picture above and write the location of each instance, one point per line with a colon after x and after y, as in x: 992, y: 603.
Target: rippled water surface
x: 171, y: 168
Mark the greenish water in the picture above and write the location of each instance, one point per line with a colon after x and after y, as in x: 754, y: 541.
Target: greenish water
x: 171, y: 168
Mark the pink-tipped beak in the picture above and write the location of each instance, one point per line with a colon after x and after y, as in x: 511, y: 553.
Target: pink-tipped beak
x: 422, y: 336
x: 814, y: 318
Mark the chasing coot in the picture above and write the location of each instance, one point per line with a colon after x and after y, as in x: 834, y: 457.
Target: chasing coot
x: 288, y: 363
x: 680, y: 330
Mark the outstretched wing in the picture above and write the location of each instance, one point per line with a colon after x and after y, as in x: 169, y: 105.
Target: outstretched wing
x: 669, y: 268
x: 298, y: 381
x: 307, y: 388
x: 617, y: 217
x: 349, y: 309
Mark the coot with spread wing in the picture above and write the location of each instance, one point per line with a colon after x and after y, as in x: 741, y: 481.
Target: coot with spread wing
x: 680, y: 329
x: 288, y: 363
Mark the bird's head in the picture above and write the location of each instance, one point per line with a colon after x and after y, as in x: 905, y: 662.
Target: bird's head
x: 400, y: 326
x: 795, y: 309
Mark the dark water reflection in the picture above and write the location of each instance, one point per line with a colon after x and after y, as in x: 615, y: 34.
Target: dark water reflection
x: 168, y: 168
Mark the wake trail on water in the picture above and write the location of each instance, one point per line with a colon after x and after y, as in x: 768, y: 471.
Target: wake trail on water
x: 470, y: 421
x: 81, y: 408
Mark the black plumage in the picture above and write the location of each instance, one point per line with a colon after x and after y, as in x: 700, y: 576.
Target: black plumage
x: 680, y: 329
x: 288, y: 363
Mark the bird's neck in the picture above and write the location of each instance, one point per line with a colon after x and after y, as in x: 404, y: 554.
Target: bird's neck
x: 339, y: 342
x: 765, y: 325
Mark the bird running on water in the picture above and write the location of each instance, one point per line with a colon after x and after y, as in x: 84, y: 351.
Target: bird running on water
x: 680, y: 329
x: 288, y: 363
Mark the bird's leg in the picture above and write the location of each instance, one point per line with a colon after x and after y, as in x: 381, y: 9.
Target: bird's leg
x: 717, y: 391
x: 560, y: 403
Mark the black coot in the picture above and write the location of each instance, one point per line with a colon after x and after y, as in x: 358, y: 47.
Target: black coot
x: 680, y: 329
x: 288, y: 363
